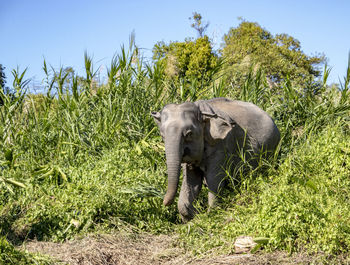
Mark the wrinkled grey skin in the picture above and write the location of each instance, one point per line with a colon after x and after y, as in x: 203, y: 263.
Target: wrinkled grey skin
x: 201, y: 136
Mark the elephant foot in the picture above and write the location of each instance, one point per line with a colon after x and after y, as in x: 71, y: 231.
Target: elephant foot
x: 212, y: 201
x: 187, y: 212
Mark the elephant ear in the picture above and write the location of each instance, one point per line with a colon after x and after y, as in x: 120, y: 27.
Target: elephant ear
x: 217, y: 124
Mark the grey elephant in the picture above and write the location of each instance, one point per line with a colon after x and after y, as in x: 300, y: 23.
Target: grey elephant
x: 203, y: 136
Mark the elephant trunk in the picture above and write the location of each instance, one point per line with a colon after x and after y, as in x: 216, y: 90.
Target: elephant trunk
x: 173, y: 153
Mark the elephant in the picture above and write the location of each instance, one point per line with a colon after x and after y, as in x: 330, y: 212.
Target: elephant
x: 201, y: 136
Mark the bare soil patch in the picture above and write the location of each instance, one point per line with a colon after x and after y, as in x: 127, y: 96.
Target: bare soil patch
x: 150, y: 249
x: 111, y: 249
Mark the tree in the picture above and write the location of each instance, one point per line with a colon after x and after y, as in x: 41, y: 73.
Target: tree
x: 190, y: 60
x: 198, y: 24
x: 187, y: 60
x: 280, y: 56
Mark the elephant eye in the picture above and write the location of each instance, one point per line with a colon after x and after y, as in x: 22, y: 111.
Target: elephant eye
x: 188, y: 135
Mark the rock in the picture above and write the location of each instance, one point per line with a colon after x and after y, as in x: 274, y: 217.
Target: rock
x: 244, y: 244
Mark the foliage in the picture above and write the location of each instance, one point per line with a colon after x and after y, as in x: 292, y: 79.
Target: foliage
x: 190, y: 63
x: 10, y: 255
x: 198, y: 24
x: 70, y: 158
x: 189, y: 60
x: 279, y: 56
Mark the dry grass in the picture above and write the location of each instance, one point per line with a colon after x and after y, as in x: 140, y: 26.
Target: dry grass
x: 150, y: 249
x: 110, y: 249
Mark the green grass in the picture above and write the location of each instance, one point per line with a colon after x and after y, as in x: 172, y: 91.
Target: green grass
x: 86, y: 158
x: 10, y: 255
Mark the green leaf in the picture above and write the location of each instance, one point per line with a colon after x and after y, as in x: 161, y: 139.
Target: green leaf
x: 15, y: 183
x: 261, y: 240
x: 9, y: 155
x: 311, y: 185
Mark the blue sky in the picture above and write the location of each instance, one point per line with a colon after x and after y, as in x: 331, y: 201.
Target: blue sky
x: 60, y: 31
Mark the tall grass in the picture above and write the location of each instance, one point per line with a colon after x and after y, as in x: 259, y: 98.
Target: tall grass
x: 86, y: 157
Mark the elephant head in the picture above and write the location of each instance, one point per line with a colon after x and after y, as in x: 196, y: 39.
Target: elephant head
x: 186, y: 129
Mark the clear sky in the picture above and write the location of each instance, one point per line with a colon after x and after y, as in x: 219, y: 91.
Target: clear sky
x: 60, y: 31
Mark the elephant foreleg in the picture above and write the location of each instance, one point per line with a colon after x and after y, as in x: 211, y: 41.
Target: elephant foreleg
x: 191, y: 186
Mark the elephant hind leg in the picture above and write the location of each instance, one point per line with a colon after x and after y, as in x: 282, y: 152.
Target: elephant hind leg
x: 215, y: 178
x: 215, y: 185
x: 191, y: 186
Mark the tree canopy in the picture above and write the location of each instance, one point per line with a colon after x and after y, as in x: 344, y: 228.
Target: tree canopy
x: 191, y: 59
x: 279, y: 56
x: 245, y: 47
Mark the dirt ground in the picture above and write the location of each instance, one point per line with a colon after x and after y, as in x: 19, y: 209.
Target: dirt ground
x: 150, y: 249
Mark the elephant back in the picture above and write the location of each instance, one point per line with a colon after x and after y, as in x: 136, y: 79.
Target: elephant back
x: 258, y: 124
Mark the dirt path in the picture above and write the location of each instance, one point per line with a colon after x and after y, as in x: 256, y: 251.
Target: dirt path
x: 109, y: 249
x: 149, y: 249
